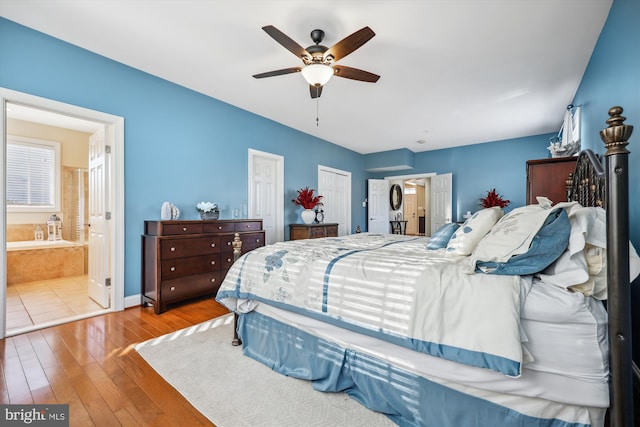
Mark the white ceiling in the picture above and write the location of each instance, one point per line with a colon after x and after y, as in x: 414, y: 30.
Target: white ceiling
x: 452, y: 72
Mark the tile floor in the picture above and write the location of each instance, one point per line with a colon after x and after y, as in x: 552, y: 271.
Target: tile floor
x: 47, y: 302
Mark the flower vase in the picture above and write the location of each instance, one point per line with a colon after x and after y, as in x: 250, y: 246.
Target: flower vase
x: 308, y: 215
x: 209, y: 215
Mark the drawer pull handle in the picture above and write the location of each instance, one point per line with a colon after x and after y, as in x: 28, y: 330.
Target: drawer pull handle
x: 248, y: 226
x: 257, y: 240
x: 173, y: 269
x: 184, y: 228
x: 213, y: 263
x: 173, y: 249
x: 213, y: 280
x: 213, y: 245
x: 219, y: 227
x: 173, y: 288
x: 228, y: 259
x: 228, y: 243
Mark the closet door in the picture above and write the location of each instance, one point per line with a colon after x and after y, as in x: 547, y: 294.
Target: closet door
x: 335, y: 187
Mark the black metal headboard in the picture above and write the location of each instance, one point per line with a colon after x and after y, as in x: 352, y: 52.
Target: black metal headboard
x: 587, y: 184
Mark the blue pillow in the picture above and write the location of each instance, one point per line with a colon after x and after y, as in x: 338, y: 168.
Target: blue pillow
x: 440, y: 238
x: 547, y: 245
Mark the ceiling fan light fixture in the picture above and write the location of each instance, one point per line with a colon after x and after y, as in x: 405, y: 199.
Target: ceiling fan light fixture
x: 317, y: 74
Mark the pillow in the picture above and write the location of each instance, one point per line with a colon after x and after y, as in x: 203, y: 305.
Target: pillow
x: 512, y: 235
x: 545, y: 247
x: 582, y: 267
x: 596, y: 258
x: 440, y: 238
x: 465, y: 239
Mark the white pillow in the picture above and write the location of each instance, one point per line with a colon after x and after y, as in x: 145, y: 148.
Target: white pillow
x: 596, y: 284
x: 466, y: 238
x: 583, y: 266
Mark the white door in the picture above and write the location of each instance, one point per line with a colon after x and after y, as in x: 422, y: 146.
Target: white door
x: 441, y: 204
x: 378, y: 206
x: 98, y: 221
x: 266, y: 188
x: 335, y: 187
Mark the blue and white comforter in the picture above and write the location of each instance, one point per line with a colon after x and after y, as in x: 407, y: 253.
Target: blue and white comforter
x: 390, y: 287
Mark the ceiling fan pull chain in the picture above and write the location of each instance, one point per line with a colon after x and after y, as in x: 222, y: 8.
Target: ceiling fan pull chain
x: 317, y: 106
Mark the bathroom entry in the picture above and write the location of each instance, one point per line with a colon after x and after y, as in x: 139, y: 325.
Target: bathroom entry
x: 81, y: 208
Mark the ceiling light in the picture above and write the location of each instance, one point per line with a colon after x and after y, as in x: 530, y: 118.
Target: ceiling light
x: 317, y: 74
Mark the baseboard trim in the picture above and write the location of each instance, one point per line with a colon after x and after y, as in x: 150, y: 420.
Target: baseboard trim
x: 132, y: 300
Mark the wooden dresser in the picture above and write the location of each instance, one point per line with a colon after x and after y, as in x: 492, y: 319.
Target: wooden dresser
x: 312, y: 231
x: 547, y: 177
x: 188, y: 259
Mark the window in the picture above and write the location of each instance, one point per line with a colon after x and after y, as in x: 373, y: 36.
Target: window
x: 33, y: 175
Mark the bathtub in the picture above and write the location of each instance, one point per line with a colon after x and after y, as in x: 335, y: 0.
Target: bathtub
x: 39, y: 244
x: 35, y: 260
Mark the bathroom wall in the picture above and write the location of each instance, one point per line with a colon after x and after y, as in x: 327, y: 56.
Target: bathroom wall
x: 74, y: 151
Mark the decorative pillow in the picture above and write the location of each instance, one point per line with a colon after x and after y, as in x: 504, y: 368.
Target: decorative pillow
x: 465, y: 239
x: 545, y: 247
x: 514, y: 233
x: 440, y: 238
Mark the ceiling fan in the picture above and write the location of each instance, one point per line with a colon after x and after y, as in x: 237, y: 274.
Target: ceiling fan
x: 319, y: 61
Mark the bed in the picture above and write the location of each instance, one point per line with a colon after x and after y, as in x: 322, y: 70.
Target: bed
x: 500, y: 321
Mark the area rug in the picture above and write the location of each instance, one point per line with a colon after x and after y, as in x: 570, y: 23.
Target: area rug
x: 233, y: 390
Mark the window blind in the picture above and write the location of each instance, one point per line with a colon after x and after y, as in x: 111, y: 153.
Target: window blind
x: 30, y: 175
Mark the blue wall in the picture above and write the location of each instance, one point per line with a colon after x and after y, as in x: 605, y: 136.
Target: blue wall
x: 184, y: 147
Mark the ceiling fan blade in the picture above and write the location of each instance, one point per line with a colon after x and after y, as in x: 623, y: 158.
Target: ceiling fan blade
x: 278, y: 72
x: 350, y: 43
x: 354, y: 74
x: 315, y: 91
x: 286, y: 41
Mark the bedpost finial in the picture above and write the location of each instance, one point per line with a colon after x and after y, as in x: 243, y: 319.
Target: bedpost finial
x: 616, y: 136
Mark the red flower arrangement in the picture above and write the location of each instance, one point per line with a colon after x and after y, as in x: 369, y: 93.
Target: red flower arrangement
x: 306, y: 199
x: 493, y: 199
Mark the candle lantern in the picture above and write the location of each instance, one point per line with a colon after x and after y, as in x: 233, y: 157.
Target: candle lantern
x: 39, y: 233
x: 54, y: 227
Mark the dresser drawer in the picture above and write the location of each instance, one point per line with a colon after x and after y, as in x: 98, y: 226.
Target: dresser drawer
x: 226, y: 260
x: 180, y: 248
x: 331, y: 230
x: 218, y: 227
x: 250, y: 241
x: 179, y: 267
x: 189, y: 287
x: 316, y: 232
x: 248, y: 226
x: 177, y: 229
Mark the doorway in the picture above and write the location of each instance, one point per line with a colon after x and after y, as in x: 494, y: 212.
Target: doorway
x: 48, y: 301
x: 432, y: 203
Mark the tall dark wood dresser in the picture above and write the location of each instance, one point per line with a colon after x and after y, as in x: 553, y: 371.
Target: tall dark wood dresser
x: 547, y: 177
x: 188, y: 259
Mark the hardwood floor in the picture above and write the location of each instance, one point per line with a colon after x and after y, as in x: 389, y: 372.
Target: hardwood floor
x: 91, y: 365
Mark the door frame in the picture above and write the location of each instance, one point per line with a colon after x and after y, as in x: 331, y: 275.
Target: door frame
x: 115, y: 131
